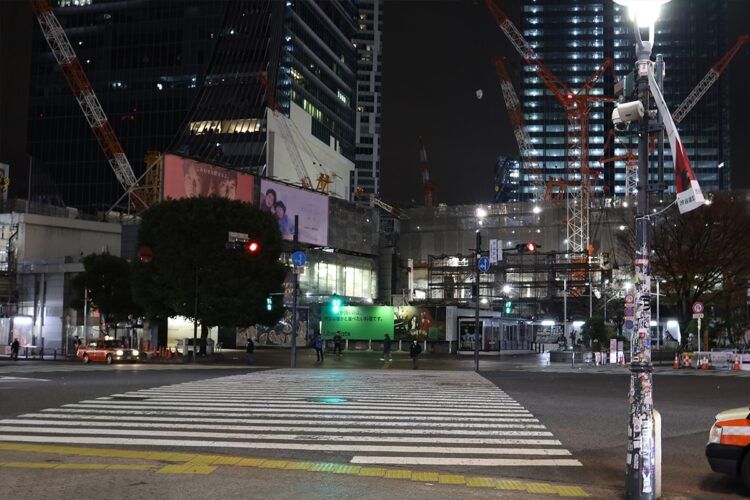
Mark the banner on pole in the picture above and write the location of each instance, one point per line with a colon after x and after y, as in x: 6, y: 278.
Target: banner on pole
x: 689, y: 195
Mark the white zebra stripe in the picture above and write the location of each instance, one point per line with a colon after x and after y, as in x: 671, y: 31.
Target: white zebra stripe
x: 305, y: 437
x: 286, y: 446
x: 484, y: 462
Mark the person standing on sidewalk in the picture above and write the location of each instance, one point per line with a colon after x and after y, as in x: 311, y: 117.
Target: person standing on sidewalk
x: 337, y: 343
x: 250, y: 349
x: 14, y: 347
x: 387, y: 349
x: 318, y: 343
x: 414, y: 351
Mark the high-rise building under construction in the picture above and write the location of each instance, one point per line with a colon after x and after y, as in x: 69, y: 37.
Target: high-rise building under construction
x: 573, y: 39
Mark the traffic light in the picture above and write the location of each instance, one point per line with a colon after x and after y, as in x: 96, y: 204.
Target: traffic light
x: 251, y: 247
x: 335, y: 304
x: 508, y: 307
x: 269, y: 303
x: 528, y: 247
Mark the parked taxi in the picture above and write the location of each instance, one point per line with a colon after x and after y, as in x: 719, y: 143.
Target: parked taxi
x: 728, y: 448
x: 106, y: 350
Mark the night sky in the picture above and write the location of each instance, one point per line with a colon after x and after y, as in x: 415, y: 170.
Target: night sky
x: 436, y: 54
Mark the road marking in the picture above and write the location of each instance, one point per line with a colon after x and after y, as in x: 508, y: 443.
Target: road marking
x: 456, y: 416
x: 206, y: 464
x: 484, y: 462
x: 23, y: 379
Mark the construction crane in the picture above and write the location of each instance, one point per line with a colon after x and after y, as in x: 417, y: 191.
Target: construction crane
x: 286, y: 133
x: 713, y: 74
x: 82, y: 90
x: 429, y: 187
x: 515, y: 113
x: 391, y: 210
x: 630, y: 158
x: 576, y: 106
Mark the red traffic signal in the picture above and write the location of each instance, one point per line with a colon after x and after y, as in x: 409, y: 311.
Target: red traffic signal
x: 528, y: 247
x: 252, y: 247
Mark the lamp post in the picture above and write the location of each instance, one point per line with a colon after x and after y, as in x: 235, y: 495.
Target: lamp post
x: 640, y: 478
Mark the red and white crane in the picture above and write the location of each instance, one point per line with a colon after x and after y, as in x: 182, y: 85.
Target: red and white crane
x: 429, y: 187
x: 79, y: 84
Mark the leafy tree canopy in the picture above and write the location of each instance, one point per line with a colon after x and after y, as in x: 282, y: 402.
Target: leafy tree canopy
x: 188, y: 237
x: 107, y: 279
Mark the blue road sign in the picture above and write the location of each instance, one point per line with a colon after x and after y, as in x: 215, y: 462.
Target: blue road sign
x: 299, y: 259
x: 484, y: 264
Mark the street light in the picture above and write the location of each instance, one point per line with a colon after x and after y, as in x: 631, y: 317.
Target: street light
x: 640, y: 478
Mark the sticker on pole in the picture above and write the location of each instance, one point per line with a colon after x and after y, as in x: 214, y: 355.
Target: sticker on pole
x: 698, y: 307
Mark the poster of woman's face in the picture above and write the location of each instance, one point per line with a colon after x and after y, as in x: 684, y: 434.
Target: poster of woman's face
x: 186, y: 178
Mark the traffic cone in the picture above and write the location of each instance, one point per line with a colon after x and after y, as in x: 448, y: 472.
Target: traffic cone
x: 676, y: 365
x: 736, y: 365
x: 704, y: 363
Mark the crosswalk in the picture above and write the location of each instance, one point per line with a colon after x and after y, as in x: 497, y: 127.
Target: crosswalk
x: 368, y: 416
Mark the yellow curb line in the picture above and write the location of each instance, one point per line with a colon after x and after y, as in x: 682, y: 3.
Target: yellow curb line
x: 194, y: 463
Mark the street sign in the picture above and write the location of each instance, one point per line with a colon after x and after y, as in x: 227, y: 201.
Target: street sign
x: 484, y: 264
x: 298, y: 270
x: 698, y: 307
x: 493, y: 251
x: 629, y: 298
x: 238, y: 236
x: 299, y: 258
x: 697, y: 315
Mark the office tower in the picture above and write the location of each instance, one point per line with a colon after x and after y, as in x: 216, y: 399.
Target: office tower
x: 573, y: 38
x: 368, y: 42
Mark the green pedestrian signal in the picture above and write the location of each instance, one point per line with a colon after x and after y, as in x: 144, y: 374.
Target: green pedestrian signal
x: 269, y: 303
x: 508, y: 307
x: 335, y: 304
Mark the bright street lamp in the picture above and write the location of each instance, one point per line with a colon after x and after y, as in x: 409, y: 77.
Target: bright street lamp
x: 643, y: 12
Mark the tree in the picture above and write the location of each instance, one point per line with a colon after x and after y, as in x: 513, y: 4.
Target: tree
x: 107, y: 279
x: 189, y: 259
x: 594, y: 329
x: 704, y: 255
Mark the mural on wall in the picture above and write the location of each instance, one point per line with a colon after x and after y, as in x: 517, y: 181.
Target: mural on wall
x: 419, y: 323
x: 279, y: 334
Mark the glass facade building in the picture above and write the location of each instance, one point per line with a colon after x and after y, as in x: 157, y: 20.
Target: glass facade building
x: 182, y: 76
x: 368, y: 43
x: 573, y: 38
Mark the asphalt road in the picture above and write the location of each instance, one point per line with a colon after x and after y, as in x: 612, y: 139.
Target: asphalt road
x: 586, y: 411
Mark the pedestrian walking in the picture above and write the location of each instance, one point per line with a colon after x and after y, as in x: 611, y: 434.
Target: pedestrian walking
x: 386, y: 349
x: 414, y: 351
x: 318, y: 343
x: 250, y: 350
x: 337, y: 343
x: 14, y: 347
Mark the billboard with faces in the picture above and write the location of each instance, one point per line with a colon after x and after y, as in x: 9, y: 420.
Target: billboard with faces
x: 186, y: 178
x: 285, y: 202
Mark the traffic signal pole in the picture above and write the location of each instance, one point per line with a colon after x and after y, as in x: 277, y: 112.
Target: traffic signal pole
x: 294, y: 297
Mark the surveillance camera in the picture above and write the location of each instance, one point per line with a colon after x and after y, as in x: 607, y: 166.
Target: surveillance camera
x: 627, y: 112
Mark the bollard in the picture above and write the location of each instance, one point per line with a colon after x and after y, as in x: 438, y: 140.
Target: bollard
x: 346, y: 344
x: 369, y: 345
x: 399, y: 345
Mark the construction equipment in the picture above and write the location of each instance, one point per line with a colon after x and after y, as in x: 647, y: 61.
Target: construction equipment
x: 286, y: 134
x: 79, y: 84
x: 713, y: 74
x: 391, y: 210
x: 576, y: 106
x: 515, y: 113
x: 429, y: 187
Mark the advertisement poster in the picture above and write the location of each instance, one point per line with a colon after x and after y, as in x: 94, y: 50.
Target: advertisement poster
x: 285, y: 202
x: 419, y: 323
x: 186, y: 178
x: 22, y: 329
x: 278, y: 335
x: 358, y: 322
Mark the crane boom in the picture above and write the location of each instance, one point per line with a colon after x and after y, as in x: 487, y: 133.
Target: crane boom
x: 395, y: 212
x: 79, y: 84
x: 515, y: 113
x: 707, y: 82
x: 428, y: 186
